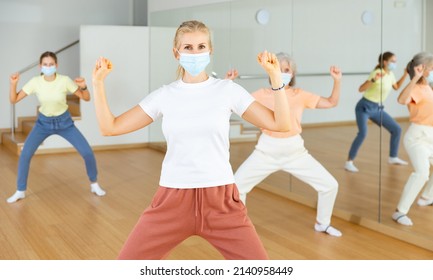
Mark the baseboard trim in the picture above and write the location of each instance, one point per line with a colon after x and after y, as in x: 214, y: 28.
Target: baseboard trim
x: 345, y: 123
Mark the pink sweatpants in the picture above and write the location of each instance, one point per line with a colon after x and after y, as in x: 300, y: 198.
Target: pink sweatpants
x: 214, y: 213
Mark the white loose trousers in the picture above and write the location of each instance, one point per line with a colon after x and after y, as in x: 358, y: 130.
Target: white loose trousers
x: 288, y: 154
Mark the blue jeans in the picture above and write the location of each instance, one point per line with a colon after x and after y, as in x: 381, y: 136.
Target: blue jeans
x: 366, y: 109
x: 62, y: 125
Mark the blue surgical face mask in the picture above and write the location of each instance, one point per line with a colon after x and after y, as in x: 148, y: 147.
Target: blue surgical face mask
x: 286, y: 77
x: 48, y: 70
x: 392, y: 66
x: 430, y: 77
x: 194, y: 64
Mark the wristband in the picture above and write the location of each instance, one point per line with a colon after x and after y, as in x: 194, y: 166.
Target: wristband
x: 84, y: 88
x: 373, y: 80
x: 277, y: 89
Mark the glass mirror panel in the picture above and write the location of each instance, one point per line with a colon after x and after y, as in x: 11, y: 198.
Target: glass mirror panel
x: 317, y: 34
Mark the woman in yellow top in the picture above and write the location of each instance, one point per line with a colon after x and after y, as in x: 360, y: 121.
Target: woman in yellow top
x: 418, y: 140
x: 376, y: 89
x: 53, y: 118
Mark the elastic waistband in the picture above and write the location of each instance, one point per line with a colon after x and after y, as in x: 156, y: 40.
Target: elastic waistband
x: 426, y: 128
x: 280, y: 141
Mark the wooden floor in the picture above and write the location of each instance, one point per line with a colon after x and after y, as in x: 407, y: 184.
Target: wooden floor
x: 61, y: 219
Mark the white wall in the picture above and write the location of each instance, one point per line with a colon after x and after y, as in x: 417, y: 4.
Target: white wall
x: 30, y: 27
x: 429, y: 25
x: 128, y: 49
x: 317, y: 33
x: 158, y: 5
x: 163, y: 67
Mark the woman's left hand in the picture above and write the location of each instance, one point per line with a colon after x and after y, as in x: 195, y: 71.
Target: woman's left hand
x: 335, y: 72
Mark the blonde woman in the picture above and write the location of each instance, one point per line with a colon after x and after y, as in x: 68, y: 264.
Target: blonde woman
x: 197, y: 193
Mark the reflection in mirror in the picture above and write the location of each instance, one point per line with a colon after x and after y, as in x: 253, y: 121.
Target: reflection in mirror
x: 407, y: 17
x: 316, y: 40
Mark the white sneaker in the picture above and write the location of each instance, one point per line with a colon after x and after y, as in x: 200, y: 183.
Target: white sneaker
x: 425, y: 202
x: 16, y: 196
x: 402, y: 219
x: 349, y: 166
x: 96, y: 189
x: 396, y: 160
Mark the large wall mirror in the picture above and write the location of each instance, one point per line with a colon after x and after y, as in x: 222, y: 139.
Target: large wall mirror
x: 317, y: 34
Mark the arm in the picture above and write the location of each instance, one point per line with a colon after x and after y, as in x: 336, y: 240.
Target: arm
x: 259, y: 115
x: 397, y: 85
x: 367, y: 84
x: 332, y: 100
x: 110, y: 125
x: 404, y: 98
x: 82, y: 92
x: 15, y: 97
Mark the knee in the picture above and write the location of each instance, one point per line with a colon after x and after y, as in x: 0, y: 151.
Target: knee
x: 396, y: 130
x: 88, y: 155
x: 328, y: 185
x: 362, y: 134
x: 333, y: 186
x: 421, y: 176
x: 26, y: 155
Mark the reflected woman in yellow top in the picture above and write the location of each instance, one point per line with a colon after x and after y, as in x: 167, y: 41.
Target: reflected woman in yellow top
x: 376, y: 89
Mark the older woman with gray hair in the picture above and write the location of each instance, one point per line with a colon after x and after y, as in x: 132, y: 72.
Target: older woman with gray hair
x: 285, y: 150
x: 418, y: 140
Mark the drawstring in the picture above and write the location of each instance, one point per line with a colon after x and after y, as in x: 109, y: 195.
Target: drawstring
x: 199, y: 206
x: 196, y: 202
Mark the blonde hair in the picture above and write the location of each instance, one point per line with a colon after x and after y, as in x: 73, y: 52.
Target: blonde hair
x: 189, y: 27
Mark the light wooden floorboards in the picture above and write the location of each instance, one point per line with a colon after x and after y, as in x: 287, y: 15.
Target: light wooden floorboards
x: 61, y: 219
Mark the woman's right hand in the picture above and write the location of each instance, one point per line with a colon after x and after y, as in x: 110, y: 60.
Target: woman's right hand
x: 378, y: 76
x: 14, y: 78
x: 103, y: 67
x: 270, y: 64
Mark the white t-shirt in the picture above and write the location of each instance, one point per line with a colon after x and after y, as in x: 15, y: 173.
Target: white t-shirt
x: 196, y: 123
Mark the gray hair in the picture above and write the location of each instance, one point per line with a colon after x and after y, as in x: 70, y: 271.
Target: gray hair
x: 423, y: 58
x: 282, y: 56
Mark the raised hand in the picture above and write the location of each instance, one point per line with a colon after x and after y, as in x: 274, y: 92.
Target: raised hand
x: 102, y: 68
x: 269, y: 62
x: 335, y: 73
x: 14, y: 78
x: 378, y: 76
x: 81, y: 82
